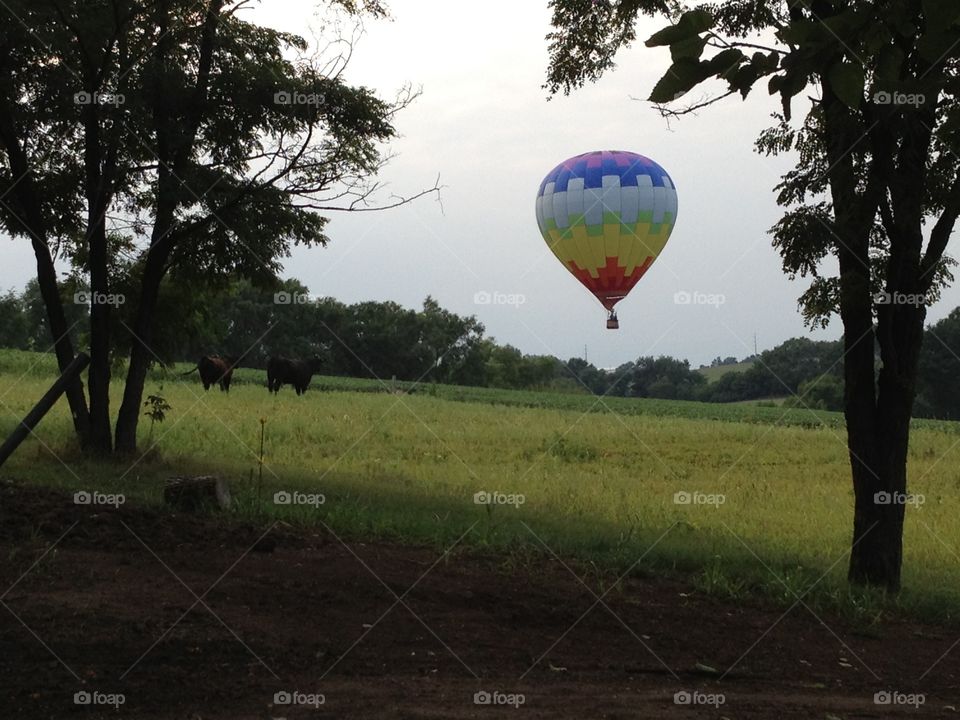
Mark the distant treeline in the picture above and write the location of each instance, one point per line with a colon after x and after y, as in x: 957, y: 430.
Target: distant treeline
x: 386, y: 340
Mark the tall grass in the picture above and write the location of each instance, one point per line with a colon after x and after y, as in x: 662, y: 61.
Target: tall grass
x: 598, y: 480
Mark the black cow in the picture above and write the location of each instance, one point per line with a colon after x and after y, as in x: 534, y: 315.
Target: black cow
x: 215, y: 369
x: 286, y: 371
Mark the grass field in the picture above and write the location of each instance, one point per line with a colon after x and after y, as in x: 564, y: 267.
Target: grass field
x: 770, y: 509
x: 712, y: 374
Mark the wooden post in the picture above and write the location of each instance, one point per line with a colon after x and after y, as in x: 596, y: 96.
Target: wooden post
x: 33, y: 418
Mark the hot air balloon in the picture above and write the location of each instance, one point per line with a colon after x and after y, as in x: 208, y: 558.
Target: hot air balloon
x: 606, y: 215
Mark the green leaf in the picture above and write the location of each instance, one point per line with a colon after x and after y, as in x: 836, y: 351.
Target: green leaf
x: 679, y: 79
x: 847, y: 81
x: 688, y: 48
x: 940, y: 13
x: 765, y: 63
x: 725, y: 62
x: 699, y: 20
x: 796, y: 32
x: 848, y: 25
x: 689, y: 25
x: 743, y: 79
x: 936, y: 45
x: 794, y: 81
x: 889, y: 64
x: 876, y: 37
x: 669, y: 36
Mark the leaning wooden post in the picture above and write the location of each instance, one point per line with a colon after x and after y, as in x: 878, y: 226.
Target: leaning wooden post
x: 33, y: 418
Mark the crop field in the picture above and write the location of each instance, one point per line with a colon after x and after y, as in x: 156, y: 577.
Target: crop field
x: 714, y: 373
x: 743, y: 498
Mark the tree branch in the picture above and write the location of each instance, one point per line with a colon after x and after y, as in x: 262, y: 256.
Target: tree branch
x: 667, y: 112
x: 940, y: 236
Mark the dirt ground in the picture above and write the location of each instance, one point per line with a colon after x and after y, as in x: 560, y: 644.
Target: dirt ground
x: 188, y: 617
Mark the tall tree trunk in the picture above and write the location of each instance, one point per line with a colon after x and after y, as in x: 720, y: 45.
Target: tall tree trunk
x: 879, y: 483
x: 128, y: 418
x: 62, y: 344
x: 174, y: 149
x: 877, y: 411
x: 101, y: 435
x: 26, y: 193
x: 140, y: 354
x: 140, y: 357
x: 98, y: 199
x: 877, y: 551
x: 881, y: 487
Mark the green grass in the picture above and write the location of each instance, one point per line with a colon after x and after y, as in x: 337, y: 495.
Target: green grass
x: 599, y: 478
x: 712, y: 374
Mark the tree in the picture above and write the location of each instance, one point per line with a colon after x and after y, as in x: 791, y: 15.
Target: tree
x: 785, y: 369
x: 796, y: 361
x: 823, y: 393
x: 938, y: 393
x: 451, y: 343
x: 13, y: 322
x: 588, y: 375
x: 733, y: 387
x: 75, y: 313
x: 720, y: 362
x: 503, y: 365
x: 877, y: 160
x: 665, y: 378
x: 170, y: 141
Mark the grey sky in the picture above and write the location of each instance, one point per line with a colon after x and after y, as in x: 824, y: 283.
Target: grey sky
x: 484, y: 125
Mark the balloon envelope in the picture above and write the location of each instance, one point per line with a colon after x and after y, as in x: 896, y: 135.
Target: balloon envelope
x: 606, y: 216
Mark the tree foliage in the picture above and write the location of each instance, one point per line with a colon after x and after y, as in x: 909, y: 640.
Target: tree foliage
x: 938, y: 393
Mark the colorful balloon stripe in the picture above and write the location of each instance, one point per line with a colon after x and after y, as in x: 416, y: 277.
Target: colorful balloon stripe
x: 607, y: 216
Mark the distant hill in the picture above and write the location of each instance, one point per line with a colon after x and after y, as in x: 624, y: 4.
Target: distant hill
x: 712, y: 374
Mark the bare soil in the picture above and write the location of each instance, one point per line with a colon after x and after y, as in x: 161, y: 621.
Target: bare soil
x: 203, y: 618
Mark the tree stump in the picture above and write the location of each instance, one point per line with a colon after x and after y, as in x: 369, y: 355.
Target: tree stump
x: 195, y: 494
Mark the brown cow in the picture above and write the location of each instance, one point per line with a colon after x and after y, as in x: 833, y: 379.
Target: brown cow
x: 215, y: 369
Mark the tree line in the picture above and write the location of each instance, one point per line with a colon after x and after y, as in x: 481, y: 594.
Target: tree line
x: 385, y: 340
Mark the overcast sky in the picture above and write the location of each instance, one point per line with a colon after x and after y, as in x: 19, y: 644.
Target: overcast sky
x: 484, y: 125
